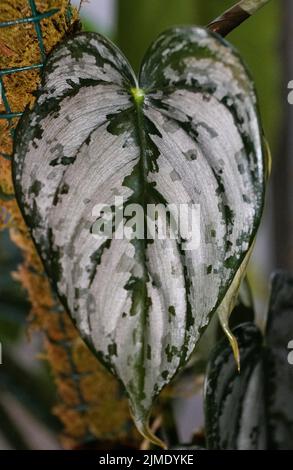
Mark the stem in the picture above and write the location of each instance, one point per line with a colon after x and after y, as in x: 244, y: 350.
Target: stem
x: 233, y: 17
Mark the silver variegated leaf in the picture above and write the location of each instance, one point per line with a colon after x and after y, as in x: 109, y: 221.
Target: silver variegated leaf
x: 235, y: 414
x: 186, y: 132
x: 278, y: 362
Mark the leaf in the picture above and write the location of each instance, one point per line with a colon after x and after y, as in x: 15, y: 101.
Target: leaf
x: 279, y: 372
x: 234, y: 404
x: 186, y: 132
x: 242, y: 313
x: 245, y: 295
x: 253, y: 410
x: 228, y: 303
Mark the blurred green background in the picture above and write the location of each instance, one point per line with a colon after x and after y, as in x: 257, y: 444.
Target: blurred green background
x: 264, y: 43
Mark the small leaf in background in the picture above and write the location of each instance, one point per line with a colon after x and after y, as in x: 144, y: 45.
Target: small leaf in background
x: 253, y: 409
x: 279, y: 373
x: 228, y: 303
x: 234, y: 405
x: 186, y: 132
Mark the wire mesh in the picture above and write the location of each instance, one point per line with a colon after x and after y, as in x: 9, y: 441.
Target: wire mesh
x: 35, y: 19
x: 9, y: 115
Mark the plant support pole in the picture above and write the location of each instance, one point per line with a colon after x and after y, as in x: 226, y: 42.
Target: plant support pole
x: 233, y: 17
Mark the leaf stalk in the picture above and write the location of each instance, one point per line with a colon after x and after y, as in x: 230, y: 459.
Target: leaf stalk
x: 236, y: 15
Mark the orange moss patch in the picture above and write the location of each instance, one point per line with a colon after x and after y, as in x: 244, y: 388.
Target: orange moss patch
x: 90, y: 400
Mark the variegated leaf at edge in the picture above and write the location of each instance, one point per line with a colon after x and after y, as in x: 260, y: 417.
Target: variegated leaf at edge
x: 278, y: 367
x: 235, y: 416
x: 189, y: 135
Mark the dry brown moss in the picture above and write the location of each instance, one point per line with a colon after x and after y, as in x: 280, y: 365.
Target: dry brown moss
x: 90, y: 401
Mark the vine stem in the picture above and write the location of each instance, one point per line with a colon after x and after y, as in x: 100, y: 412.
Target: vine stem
x: 233, y: 17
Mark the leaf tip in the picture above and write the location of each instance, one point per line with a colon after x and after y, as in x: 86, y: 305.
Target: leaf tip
x: 234, y: 345
x: 142, y: 426
x: 236, y: 353
x: 268, y: 158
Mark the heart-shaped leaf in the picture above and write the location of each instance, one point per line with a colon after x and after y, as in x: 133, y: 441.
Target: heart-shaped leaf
x: 185, y: 133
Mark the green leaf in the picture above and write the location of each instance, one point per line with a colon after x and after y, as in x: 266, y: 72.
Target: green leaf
x: 234, y: 404
x: 279, y: 370
x: 185, y: 132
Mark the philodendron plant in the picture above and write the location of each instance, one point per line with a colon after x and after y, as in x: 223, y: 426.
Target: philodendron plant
x: 185, y: 132
x: 252, y: 410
